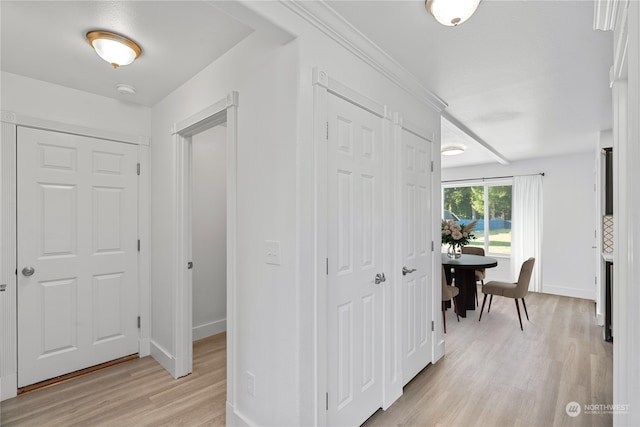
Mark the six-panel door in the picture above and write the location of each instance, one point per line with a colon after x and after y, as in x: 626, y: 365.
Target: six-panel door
x: 355, y: 258
x: 77, y: 231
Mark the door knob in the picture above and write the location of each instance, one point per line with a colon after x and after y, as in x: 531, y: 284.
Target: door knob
x: 3, y: 287
x: 28, y: 271
x: 406, y: 270
x: 380, y: 278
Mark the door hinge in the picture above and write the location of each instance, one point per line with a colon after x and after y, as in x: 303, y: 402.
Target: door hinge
x: 138, y: 322
x: 595, y: 280
x: 433, y: 328
x: 138, y: 169
x: 432, y: 246
x: 327, y: 401
x: 327, y: 266
x: 431, y: 165
x: 138, y: 245
x: 327, y: 131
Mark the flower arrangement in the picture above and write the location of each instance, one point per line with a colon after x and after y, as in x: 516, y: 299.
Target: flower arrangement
x: 455, y: 234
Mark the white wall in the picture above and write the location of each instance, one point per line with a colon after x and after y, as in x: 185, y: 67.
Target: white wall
x: 568, y: 266
x: 209, y: 215
x: 43, y: 100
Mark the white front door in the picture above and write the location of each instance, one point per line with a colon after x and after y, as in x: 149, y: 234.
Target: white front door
x: 355, y: 258
x: 416, y: 254
x: 77, y: 235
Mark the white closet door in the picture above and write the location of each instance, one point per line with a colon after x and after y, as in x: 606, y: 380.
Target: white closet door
x: 355, y: 258
x: 77, y: 232
x: 416, y: 254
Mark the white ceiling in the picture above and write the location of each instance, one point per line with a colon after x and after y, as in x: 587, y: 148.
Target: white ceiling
x: 529, y: 78
x: 45, y: 40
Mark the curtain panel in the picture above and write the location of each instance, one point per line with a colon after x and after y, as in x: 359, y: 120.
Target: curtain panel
x: 526, y: 231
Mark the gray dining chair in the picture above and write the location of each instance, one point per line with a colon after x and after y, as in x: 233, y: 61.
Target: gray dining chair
x: 510, y: 290
x: 449, y: 293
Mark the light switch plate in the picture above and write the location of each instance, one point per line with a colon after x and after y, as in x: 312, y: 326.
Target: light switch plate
x: 272, y: 252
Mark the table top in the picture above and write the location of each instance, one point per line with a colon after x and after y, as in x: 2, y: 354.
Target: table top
x: 469, y: 261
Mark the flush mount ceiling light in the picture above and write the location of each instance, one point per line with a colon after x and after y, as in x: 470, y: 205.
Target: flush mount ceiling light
x: 451, y: 12
x: 452, y: 150
x: 117, y: 50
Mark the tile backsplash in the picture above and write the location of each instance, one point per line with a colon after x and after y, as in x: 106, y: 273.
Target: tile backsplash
x: 607, y: 234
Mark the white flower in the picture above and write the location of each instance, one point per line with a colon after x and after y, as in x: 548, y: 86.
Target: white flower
x: 457, y: 235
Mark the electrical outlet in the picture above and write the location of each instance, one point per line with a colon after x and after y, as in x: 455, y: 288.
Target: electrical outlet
x: 251, y: 384
x: 272, y: 252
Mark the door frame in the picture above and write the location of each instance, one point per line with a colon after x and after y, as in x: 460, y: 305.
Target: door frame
x: 323, y: 86
x: 401, y: 125
x: 9, y: 122
x: 223, y: 111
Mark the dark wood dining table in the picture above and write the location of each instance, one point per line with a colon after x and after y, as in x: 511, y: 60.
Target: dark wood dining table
x: 464, y: 271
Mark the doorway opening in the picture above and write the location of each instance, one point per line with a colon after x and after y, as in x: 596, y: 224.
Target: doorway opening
x: 205, y: 143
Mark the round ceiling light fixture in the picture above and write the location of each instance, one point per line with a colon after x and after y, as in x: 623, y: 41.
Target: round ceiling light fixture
x: 452, y: 150
x: 117, y: 50
x: 451, y: 12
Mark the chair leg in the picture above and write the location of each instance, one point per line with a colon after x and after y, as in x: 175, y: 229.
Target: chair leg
x: 490, y: 301
x: 475, y: 291
x: 444, y: 319
x: 525, y: 308
x: 482, y: 309
x: 518, y: 309
x: 455, y: 307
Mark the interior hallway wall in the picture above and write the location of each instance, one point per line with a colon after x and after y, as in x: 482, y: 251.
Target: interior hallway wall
x: 209, y: 229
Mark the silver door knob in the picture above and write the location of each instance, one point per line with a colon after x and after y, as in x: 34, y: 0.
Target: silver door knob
x: 406, y: 270
x: 380, y: 278
x: 28, y: 271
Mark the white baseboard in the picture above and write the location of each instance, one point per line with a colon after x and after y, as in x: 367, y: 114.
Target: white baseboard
x: 599, y: 319
x: 209, y: 329
x: 8, y: 386
x: 166, y: 360
x: 438, y: 351
x: 144, y: 347
x: 234, y: 419
x: 569, y: 292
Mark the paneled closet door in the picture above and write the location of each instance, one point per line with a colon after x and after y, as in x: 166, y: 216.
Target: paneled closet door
x: 416, y: 254
x: 355, y: 260
x: 77, y: 253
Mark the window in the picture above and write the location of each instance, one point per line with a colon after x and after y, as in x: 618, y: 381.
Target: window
x: 490, y: 205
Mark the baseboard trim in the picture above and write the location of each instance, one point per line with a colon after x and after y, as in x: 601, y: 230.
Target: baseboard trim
x: 234, y: 419
x: 8, y: 386
x: 568, y: 292
x: 209, y: 329
x: 438, y: 351
x: 166, y: 360
x: 144, y: 347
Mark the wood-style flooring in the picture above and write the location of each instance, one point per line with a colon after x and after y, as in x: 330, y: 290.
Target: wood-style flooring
x: 492, y: 375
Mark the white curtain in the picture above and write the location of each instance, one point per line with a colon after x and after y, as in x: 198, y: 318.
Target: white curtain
x: 526, y: 227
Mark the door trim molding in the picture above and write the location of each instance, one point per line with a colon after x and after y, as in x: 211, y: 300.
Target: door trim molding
x: 323, y: 85
x: 225, y: 110
x: 8, y: 200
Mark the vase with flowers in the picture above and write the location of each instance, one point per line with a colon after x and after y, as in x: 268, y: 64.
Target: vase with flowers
x: 456, y: 236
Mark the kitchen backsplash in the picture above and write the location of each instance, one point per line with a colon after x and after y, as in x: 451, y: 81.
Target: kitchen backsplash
x: 607, y: 234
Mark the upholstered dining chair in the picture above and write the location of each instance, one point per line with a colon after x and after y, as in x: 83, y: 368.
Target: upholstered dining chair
x: 474, y: 250
x: 510, y: 290
x: 448, y: 293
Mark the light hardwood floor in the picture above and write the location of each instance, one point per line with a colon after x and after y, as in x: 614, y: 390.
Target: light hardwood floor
x: 492, y: 375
